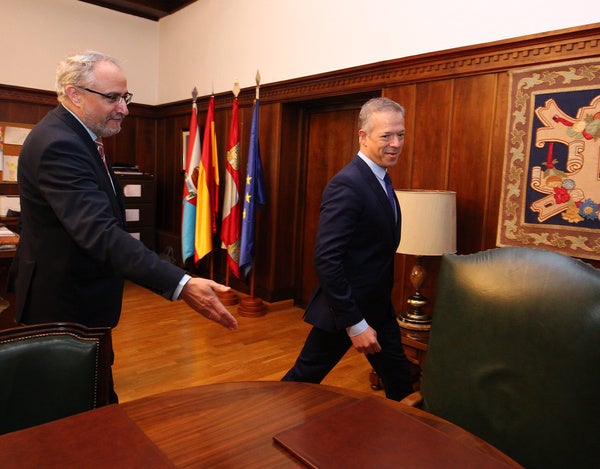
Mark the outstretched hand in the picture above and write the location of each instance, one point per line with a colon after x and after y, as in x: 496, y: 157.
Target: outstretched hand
x: 200, y: 294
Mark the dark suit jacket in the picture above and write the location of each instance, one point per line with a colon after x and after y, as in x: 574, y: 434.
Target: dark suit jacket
x: 74, y: 252
x: 354, y: 252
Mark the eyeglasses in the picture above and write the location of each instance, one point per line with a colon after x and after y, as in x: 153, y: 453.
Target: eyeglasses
x: 113, y: 98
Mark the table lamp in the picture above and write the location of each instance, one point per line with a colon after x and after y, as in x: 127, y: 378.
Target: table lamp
x: 428, y: 229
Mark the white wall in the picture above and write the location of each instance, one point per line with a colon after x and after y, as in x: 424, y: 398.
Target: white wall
x: 211, y: 43
x: 38, y: 34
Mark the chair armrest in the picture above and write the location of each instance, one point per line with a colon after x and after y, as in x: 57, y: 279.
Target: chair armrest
x: 413, y: 400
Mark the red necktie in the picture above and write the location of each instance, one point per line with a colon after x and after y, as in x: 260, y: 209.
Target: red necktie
x: 100, y: 147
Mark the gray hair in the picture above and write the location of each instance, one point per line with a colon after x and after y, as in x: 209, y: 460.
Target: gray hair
x: 78, y: 70
x: 376, y: 105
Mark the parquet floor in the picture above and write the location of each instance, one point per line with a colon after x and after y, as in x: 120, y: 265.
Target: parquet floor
x: 161, y: 345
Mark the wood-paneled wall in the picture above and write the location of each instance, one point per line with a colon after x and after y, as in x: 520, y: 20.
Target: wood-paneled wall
x: 456, y: 103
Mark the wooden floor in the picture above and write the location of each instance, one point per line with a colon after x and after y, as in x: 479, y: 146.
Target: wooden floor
x: 161, y: 345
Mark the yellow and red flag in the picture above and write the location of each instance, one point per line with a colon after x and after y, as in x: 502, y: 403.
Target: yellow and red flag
x: 207, y: 207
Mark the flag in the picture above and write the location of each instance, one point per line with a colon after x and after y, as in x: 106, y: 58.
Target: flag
x: 255, y: 194
x: 230, y: 226
x: 209, y: 146
x: 190, y: 188
x: 208, y: 187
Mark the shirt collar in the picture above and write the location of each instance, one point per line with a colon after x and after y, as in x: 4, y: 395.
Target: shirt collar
x: 92, y: 134
x: 377, y: 170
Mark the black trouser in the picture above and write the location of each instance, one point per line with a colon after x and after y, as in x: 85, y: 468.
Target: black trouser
x: 323, y: 350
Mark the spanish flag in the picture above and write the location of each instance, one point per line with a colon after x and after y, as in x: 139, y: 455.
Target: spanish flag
x: 207, y: 206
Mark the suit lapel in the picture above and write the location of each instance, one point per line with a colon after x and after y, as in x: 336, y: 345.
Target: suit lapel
x: 115, y: 196
x: 374, y: 186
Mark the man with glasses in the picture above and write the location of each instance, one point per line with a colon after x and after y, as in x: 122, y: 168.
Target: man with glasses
x: 74, y: 253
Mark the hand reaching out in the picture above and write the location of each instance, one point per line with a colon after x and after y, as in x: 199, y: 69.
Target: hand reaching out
x: 200, y: 294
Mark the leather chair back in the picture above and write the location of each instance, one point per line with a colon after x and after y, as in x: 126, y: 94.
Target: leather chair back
x: 50, y: 371
x: 514, y: 354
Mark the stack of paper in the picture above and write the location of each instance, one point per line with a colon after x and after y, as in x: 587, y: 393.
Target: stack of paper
x: 8, y: 239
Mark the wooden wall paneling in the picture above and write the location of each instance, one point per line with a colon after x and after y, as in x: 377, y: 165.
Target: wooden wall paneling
x: 169, y: 186
x: 169, y: 179
x: 497, y: 152
x: 290, y: 209
x: 27, y: 113
x: 471, y: 132
x: 24, y: 105
x: 167, y: 145
x: 120, y: 148
x: 433, y: 108
x: 145, y: 153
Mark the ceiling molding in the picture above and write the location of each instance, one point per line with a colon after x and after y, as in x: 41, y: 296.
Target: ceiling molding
x: 148, y: 9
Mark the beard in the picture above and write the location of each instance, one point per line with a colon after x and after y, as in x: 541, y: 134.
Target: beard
x: 106, y: 131
x: 106, y: 128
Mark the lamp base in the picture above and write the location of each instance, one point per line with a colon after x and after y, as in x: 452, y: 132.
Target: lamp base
x: 416, y: 319
x: 407, y: 324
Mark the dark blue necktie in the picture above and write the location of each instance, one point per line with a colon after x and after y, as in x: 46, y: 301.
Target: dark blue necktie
x: 390, y: 192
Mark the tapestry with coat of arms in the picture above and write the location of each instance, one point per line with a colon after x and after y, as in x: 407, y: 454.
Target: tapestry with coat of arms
x: 551, y: 181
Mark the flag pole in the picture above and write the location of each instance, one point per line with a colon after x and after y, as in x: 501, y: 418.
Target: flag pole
x: 253, y: 306
x: 212, y: 257
x: 190, y: 261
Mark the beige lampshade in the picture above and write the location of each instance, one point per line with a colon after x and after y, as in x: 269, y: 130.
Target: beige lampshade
x: 428, y: 222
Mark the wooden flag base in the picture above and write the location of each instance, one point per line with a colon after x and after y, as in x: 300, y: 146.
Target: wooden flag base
x: 251, y: 307
x: 228, y: 298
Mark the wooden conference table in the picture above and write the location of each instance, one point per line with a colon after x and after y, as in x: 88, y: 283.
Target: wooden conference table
x: 233, y: 424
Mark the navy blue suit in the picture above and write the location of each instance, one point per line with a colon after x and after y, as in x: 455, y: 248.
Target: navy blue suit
x: 354, y: 258
x: 74, y: 252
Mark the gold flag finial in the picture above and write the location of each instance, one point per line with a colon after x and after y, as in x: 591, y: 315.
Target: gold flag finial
x: 236, y: 88
x: 257, y: 83
x: 195, y: 94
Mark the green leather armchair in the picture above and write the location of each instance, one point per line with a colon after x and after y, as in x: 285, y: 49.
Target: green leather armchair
x: 50, y: 371
x: 514, y: 354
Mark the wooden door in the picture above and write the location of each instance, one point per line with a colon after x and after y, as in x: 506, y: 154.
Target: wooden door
x: 331, y: 142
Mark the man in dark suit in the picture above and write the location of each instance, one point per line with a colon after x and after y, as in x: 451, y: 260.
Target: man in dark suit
x: 357, y: 237
x: 74, y: 253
